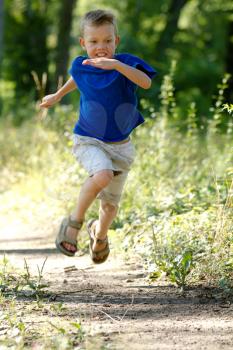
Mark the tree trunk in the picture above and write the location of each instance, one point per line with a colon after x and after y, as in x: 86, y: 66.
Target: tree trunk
x: 229, y: 63
x: 65, y: 23
x: 1, y: 32
x: 134, y: 15
x: 170, y: 29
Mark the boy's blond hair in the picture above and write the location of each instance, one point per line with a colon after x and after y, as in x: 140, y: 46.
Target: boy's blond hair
x: 97, y: 18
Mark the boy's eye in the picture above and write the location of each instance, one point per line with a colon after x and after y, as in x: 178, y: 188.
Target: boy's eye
x: 95, y: 41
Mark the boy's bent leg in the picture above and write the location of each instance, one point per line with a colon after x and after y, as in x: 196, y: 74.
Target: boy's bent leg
x: 107, y: 213
x: 110, y: 198
x: 90, y: 189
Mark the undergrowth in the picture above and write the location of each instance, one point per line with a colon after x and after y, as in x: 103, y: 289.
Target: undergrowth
x: 176, y: 211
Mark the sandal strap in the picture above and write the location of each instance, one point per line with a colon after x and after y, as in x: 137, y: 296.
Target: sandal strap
x: 74, y: 223
x: 101, y: 252
x: 62, y: 237
x: 98, y: 240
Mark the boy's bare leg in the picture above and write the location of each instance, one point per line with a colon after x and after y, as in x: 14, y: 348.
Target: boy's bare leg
x: 90, y: 189
x: 107, y: 213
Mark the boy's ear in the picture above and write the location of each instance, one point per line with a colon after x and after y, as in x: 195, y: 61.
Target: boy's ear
x: 82, y: 42
x: 117, y: 40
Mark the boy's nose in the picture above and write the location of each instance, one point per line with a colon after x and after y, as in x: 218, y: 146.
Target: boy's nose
x: 101, y: 46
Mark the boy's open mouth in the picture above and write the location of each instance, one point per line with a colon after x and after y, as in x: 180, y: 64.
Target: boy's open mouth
x: 101, y: 55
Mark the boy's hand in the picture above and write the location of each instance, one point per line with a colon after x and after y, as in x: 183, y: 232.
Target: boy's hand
x: 101, y: 62
x: 49, y: 100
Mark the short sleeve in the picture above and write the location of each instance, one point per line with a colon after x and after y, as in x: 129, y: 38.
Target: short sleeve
x: 89, y: 76
x: 138, y: 63
x: 76, y: 65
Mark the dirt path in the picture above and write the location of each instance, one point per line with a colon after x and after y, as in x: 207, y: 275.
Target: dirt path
x: 117, y: 307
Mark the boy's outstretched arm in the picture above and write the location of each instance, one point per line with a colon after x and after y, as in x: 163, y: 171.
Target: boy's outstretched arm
x: 51, y: 99
x: 135, y: 75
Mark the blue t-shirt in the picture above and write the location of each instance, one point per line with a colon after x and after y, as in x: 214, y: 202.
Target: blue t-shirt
x: 108, y: 102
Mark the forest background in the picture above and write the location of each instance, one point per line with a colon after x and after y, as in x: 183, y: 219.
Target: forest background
x: 42, y: 37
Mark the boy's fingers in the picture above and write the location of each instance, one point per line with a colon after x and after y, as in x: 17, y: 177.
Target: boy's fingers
x: 90, y: 61
x: 86, y: 62
x: 44, y: 104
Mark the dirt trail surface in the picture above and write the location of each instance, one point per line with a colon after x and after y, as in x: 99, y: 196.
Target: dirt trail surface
x: 116, y: 304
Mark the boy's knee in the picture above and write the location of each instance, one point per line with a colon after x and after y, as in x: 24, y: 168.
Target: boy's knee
x: 109, y: 208
x: 103, y: 178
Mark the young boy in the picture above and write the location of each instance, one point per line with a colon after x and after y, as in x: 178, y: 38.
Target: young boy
x: 108, y: 114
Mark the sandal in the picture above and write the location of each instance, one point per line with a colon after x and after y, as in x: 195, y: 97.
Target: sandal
x: 62, y: 237
x: 102, y: 255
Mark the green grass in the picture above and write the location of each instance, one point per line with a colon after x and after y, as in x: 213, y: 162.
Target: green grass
x: 177, y: 207
x: 179, y: 189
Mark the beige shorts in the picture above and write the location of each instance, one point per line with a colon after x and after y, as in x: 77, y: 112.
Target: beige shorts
x: 95, y: 155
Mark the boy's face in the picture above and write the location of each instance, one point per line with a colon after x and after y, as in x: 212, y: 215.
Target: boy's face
x: 99, y: 41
